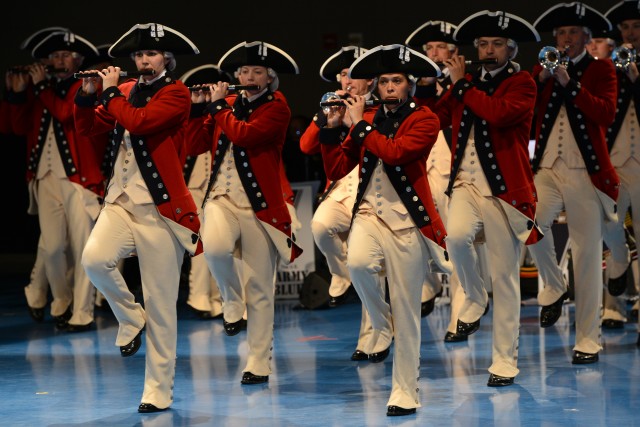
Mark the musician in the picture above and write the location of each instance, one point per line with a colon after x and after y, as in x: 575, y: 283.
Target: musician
x: 621, y: 136
x: 204, y: 296
x: 245, y: 214
x: 64, y: 175
x: 147, y: 209
x: 491, y: 186
x: 37, y: 289
x: 395, y: 225
x: 575, y: 105
x: 436, y: 39
x: 332, y: 219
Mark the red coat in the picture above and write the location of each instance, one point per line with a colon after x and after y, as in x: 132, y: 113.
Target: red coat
x: 507, y: 114
x: 261, y: 138
x: 594, y: 95
x: 161, y: 125
x: 406, y: 152
x: 83, y: 161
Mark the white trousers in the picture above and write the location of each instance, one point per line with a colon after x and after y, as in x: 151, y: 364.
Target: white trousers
x: 65, y: 225
x: 37, y: 290
x: 472, y: 214
x: 330, y: 228
x: 118, y: 233
x: 571, y: 189
x: 204, y: 294
x: 374, y: 250
x: 228, y: 229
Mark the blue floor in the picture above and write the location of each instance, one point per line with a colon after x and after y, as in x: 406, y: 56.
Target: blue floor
x: 51, y: 378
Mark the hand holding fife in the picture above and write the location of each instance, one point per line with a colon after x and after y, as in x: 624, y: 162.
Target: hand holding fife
x: 456, y: 66
x: 218, y: 91
x: 355, y: 108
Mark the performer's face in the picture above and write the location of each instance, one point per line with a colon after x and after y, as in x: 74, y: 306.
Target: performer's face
x: 393, y: 86
x: 254, y: 75
x: 354, y: 86
x: 65, y: 59
x: 599, y: 48
x: 150, y: 60
x: 438, y: 51
x: 630, y: 30
x: 494, y: 48
x: 571, y: 39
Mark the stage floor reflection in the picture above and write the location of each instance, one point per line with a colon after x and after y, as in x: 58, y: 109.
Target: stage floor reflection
x: 52, y: 378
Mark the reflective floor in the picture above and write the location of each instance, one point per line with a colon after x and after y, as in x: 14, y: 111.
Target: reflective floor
x: 60, y: 379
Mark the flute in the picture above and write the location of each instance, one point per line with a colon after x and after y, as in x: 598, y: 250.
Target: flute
x: 230, y: 88
x: 367, y: 102
x: 122, y: 74
x: 473, y: 62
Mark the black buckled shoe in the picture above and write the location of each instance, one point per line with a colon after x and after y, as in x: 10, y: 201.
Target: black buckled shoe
x: 612, y: 324
x: 62, y: 321
x: 79, y: 328
x: 549, y: 314
x: 453, y: 337
x: 132, y: 348
x: 397, y: 411
x: 380, y: 356
x: 249, y: 378
x: 467, y: 329
x: 498, y: 381
x: 146, y: 408
x: 37, y: 314
x: 339, y: 300
x: 359, y: 356
x: 618, y: 285
x: 234, y: 328
x: 427, y: 307
x: 580, y: 358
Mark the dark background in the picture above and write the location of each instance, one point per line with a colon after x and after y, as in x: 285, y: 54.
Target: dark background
x: 308, y: 31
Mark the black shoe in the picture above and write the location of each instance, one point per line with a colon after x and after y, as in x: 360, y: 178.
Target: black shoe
x: 486, y: 309
x: 148, y: 408
x: 453, y: 337
x: 249, y: 378
x: 467, y: 329
x: 397, y: 411
x: 79, y: 328
x: 427, y: 307
x: 36, y: 314
x: 580, y: 358
x: 234, y: 328
x: 612, y: 324
x: 62, y: 321
x: 131, y: 349
x: 359, y: 356
x: 498, y: 381
x: 339, y: 300
x: 379, y: 357
x: 549, y: 314
x: 203, y: 315
x: 618, y: 285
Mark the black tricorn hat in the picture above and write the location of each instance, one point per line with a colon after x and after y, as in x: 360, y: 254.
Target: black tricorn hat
x: 333, y: 66
x: 204, y: 74
x: 152, y: 36
x: 258, y: 53
x: 495, y: 24
x: 572, y: 14
x: 30, y: 42
x: 627, y: 9
x: 432, y: 31
x: 393, y: 58
x: 64, y: 40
